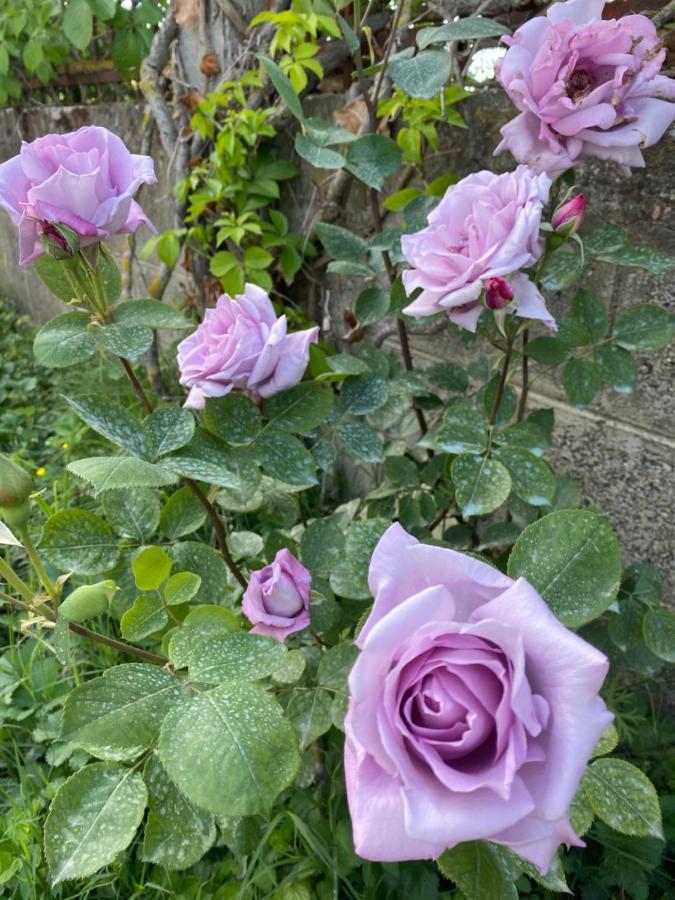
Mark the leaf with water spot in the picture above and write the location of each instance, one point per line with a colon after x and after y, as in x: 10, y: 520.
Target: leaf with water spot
x: 481, y: 484
x: 235, y: 657
x: 623, y: 797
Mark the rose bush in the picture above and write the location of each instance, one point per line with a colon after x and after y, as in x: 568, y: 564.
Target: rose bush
x: 85, y: 179
x: 586, y: 87
x: 473, y: 711
x: 486, y: 226
x: 276, y: 600
x: 243, y: 344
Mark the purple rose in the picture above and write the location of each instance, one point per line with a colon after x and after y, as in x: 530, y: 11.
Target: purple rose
x: 473, y: 710
x: 242, y: 344
x: 585, y: 87
x: 277, y: 597
x: 85, y: 179
x: 485, y: 226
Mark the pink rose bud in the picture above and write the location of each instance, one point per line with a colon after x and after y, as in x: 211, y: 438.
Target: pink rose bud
x: 567, y: 218
x: 59, y: 241
x: 85, y: 179
x: 276, y: 600
x: 498, y: 293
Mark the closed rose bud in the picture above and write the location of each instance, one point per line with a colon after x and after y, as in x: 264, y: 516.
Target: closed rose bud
x: 87, y: 601
x: 276, y: 600
x: 498, y: 293
x: 567, y: 218
x: 59, y: 241
x: 15, y: 484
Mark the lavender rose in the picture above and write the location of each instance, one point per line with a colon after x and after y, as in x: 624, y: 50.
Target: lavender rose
x: 473, y: 710
x: 585, y: 87
x: 85, y: 179
x: 242, y: 344
x: 485, y: 226
x: 277, y: 597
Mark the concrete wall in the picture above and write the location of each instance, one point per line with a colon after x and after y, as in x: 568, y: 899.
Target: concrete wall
x: 621, y: 447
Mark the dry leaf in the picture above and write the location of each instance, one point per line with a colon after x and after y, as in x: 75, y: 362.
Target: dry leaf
x: 187, y: 12
x: 209, y: 65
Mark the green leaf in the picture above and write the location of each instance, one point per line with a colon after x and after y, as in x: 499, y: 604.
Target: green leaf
x: 644, y: 328
x: 423, y: 75
x: 461, y: 430
x: 360, y: 441
x: 78, y: 23
x: 471, y: 28
x: 150, y: 314
x: 105, y: 473
x: 525, y: 434
x: 127, y: 341
x: 230, y: 751
x: 547, y: 350
x: 363, y: 394
x: 481, y: 484
x: 182, y: 514
x: 478, y: 870
x: 283, y: 87
x: 235, y: 657
x: 78, y: 541
x: 611, y: 244
x: 109, y: 275
x: 399, y: 200
x: 168, y: 429
x: 151, y: 568
x: 572, y: 557
x: 346, y: 364
x: 119, y: 715
x: 317, y: 155
x: 335, y: 665
x: 52, y: 273
x: 562, y: 269
x: 207, y: 458
x: 322, y: 545
x: 341, y: 243
x: 112, y: 420
x: 554, y: 880
x: 132, y: 513
x: 401, y: 471
x: 201, y: 622
x: 64, y: 341
x: 448, y: 377
x: 301, y: 408
x: 531, y: 477
x: 591, y: 310
x: 310, y: 714
x: 350, y: 269
x: 257, y: 258
x: 326, y: 134
x: 616, y: 367
x: 581, y: 381
x: 102, y: 801
x: 181, y: 588
x: 607, y: 742
x: 284, y: 457
x: 659, y: 633
x: 371, y: 305
x: 146, y: 616
x: 235, y: 418
x: 245, y: 544
x: 623, y: 797
x: 206, y: 562
x: 507, y: 403
x: 372, y: 158
x: 177, y: 833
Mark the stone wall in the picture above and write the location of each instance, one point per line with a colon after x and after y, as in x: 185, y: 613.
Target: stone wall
x: 621, y: 447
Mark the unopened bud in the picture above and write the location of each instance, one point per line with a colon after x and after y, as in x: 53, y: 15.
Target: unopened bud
x: 15, y: 484
x: 567, y: 218
x: 498, y: 293
x: 87, y: 601
x: 59, y: 240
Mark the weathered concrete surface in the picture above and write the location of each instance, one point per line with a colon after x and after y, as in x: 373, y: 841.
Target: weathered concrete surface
x: 621, y: 449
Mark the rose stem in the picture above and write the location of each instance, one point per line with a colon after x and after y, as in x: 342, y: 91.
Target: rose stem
x: 120, y: 646
x: 522, y: 403
x: 13, y: 579
x: 214, y: 518
x: 501, y: 386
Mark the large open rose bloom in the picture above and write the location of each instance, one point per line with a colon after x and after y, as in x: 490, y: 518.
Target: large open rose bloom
x: 585, y: 87
x: 85, y: 179
x: 486, y: 226
x: 473, y: 710
x: 242, y: 344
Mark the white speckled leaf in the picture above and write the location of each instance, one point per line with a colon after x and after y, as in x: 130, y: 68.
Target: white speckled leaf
x: 231, y: 751
x: 572, y: 557
x: 92, y: 818
x: 478, y: 870
x: 623, y: 797
x: 531, y: 477
x: 283, y: 456
x: 64, y: 341
x: 112, y: 420
x: 145, y: 617
x: 105, y: 473
x: 132, y: 513
x: 78, y: 540
x: 310, y: 714
x: 481, y: 484
x: 168, y: 429
x: 235, y: 657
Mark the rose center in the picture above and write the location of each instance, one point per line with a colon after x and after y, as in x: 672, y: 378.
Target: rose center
x: 580, y: 83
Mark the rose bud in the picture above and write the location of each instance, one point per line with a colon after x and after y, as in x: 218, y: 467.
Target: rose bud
x: 276, y: 600
x: 15, y: 484
x: 567, y: 218
x: 498, y: 293
x: 59, y: 241
x: 87, y: 601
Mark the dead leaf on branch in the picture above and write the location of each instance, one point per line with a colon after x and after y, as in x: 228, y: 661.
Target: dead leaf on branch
x: 187, y: 12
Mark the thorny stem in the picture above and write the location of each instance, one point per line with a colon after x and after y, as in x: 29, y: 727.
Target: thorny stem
x: 214, y: 518
x: 120, y: 646
x: 501, y: 385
